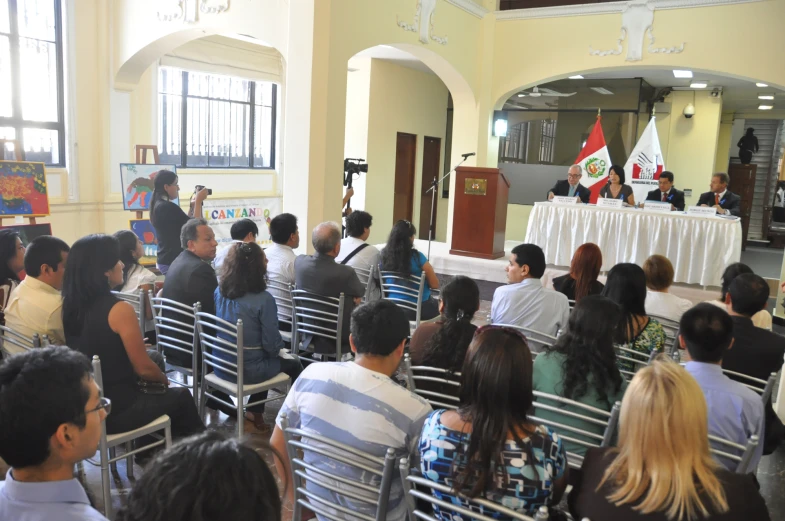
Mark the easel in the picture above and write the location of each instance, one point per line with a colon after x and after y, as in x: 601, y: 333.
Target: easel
x: 141, y: 159
x: 19, y: 155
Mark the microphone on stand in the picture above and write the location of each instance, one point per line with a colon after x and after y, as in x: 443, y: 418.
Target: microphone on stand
x: 466, y: 156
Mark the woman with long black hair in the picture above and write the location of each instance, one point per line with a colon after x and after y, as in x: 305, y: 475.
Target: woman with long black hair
x: 135, y: 276
x: 400, y: 255
x: 168, y: 218
x: 489, y: 447
x: 12, y: 261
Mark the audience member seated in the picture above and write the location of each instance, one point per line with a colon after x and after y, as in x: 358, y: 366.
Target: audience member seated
x: 756, y: 352
x: 760, y: 319
x: 492, y: 426
x: 735, y: 411
x: 626, y: 285
x: 36, y: 305
x: 168, y: 218
x: 357, y: 253
x: 357, y: 403
x: 523, y: 301
x: 50, y: 419
x: 241, y: 295
x: 581, y: 366
x: 400, y: 255
x: 207, y: 477
x: 320, y: 274
x: 659, y: 278
x: 662, y: 469
x: 280, y: 257
x: 135, y: 276
x: 242, y: 231
x: 12, y: 262
x: 582, y: 281
x: 98, y: 323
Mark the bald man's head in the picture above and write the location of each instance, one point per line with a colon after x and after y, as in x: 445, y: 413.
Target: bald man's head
x: 326, y: 238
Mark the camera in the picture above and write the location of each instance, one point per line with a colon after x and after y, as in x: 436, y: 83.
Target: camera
x: 689, y: 111
x: 352, y: 167
x: 199, y: 188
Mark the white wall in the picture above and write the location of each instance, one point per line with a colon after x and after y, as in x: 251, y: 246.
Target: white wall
x: 358, y: 95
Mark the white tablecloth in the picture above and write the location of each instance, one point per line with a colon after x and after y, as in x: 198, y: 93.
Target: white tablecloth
x: 699, y: 247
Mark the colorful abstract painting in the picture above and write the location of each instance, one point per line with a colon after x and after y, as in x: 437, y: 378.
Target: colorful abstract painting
x: 23, y: 189
x: 143, y: 229
x: 138, y: 182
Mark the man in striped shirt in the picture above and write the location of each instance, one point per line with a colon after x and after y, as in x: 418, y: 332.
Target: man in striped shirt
x: 358, y: 404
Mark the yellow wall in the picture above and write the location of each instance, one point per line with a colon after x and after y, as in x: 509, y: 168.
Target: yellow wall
x: 517, y: 220
x: 724, y: 143
x: 401, y: 100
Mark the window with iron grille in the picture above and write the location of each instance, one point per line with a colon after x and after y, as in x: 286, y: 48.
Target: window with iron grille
x: 215, y: 121
x: 31, y: 78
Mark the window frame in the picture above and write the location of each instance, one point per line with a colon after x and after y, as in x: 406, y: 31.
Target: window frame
x: 251, y: 130
x: 17, y: 121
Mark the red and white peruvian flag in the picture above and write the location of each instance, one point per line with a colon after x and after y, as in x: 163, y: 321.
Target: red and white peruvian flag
x: 595, y: 161
x: 645, y: 164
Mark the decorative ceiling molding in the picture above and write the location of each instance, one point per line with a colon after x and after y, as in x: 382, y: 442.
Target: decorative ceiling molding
x: 470, y: 7
x: 607, y: 8
x: 214, y: 6
x: 423, y: 22
x: 187, y: 11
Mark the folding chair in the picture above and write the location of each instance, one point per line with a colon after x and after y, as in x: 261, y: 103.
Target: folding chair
x: 108, y: 442
x: 671, y: 328
x: 608, y: 421
x: 536, y: 340
x: 177, y: 334
x: 282, y: 293
x: 139, y: 300
x: 366, y: 277
x: 762, y: 387
x: 433, y: 375
x: 405, y: 292
x: 318, y: 316
x: 629, y: 361
x: 9, y: 337
x: 743, y: 461
x: 211, y: 344
x: 364, y: 482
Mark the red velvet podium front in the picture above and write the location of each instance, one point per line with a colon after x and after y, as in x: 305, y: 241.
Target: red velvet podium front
x: 480, y: 214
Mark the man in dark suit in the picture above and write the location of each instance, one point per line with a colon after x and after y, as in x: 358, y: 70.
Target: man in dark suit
x: 572, y: 187
x: 320, y: 274
x: 667, y: 193
x: 756, y: 352
x: 725, y: 201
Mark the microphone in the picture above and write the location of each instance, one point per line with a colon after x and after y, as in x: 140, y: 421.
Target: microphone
x: 466, y: 156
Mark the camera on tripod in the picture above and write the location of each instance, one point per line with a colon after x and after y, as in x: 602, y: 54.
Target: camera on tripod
x: 352, y: 167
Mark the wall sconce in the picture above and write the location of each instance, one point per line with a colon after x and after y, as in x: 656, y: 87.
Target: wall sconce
x: 499, y: 123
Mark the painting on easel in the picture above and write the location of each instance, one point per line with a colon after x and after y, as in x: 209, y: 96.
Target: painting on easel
x: 143, y: 229
x: 138, y: 182
x: 23, y: 189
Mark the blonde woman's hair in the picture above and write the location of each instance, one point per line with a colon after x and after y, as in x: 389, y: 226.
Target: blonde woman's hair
x: 663, y: 462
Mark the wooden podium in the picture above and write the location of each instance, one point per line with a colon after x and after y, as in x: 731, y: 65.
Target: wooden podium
x: 480, y: 213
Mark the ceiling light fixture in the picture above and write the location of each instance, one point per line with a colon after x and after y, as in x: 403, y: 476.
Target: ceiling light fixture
x: 698, y: 85
x: 576, y: 77
x: 601, y: 90
x: 765, y: 107
x: 766, y: 96
x: 761, y: 85
x: 682, y: 74
x: 521, y: 95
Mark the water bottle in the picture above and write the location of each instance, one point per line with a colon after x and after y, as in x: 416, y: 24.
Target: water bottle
x: 542, y: 514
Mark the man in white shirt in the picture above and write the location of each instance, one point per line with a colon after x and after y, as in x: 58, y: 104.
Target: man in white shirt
x: 36, y: 305
x: 280, y: 256
x: 357, y: 253
x: 523, y: 301
x: 659, y: 278
x: 244, y: 230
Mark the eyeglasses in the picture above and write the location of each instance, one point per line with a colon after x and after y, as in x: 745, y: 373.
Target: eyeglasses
x: 103, y: 403
x: 506, y: 329
x: 573, y: 176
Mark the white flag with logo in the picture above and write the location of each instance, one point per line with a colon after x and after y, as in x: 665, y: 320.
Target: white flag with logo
x: 645, y: 163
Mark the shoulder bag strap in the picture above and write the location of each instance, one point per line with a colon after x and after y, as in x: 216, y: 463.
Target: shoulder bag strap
x: 355, y: 252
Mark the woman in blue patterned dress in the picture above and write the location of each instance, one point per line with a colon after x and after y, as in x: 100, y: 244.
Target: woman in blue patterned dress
x: 513, y: 461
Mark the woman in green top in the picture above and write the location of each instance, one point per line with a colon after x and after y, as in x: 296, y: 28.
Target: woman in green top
x: 581, y: 366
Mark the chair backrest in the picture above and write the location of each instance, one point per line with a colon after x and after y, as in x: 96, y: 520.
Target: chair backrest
x: 139, y: 300
x: 763, y: 387
x: 743, y: 461
x: 363, y: 483
x: 629, y: 360
x: 571, y: 303
x: 399, y: 289
x: 9, y: 337
x: 283, y: 300
x: 178, y: 334
x: 671, y: 327
x: 445, y: 379
x: 418, y: 489
x: 608, y: 421
x: 366, y: 278
x: 319, y: 316
x: 536, y: 340
x: 208, y: 327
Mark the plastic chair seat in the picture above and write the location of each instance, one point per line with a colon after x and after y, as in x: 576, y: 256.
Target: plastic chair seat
x: 231, y: 388
x: 122, y: 437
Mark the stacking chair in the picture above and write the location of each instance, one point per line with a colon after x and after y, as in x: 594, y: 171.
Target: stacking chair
x: 178, y: 334
x: 433, y: 375
x: 571, y: 304
x: 108, y: 442
x: 394, y: 286
x: 719, y: 447
x: 763, y: 387
x: 536, y: 340
x: 671, y: 328
x: 284, y: 303
x: 366, y: 276
x: 208, y: 327
x: 364, y: 483
x: 9, y: 337
x: 319, y: 316
x: 629, y: 360
x: 586, y: 413
x: 139, y: 301
x: 417, y: 488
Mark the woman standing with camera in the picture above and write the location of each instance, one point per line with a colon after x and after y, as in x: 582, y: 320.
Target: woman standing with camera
x: 168, y: 218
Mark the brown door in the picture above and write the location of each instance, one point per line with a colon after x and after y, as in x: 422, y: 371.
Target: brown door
x: 405, y: 155
x: 431, y: 157
x: 742, y: 182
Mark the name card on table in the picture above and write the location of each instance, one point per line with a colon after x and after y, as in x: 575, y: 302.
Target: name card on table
x: 607, y: 202
x: 702, y: 211
x: 657, y: 206
x: 563, y: 199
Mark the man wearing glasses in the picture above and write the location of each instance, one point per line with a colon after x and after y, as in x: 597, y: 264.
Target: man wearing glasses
x: 572, y: 187
x: 50, y: 419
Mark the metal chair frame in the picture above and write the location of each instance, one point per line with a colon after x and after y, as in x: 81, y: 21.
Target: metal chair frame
x: 670, y: 326
x: 140, y: 301
x: 325, y: 324
x: 432, y: 374
x: 165, y: 326
x: 376, y: 468
x: 19, y: 340
x: 744, y: 460
x: 366, y: 275
x: 401, y: 285
x: 636, y: 358
x: 764, y: 388
x: 536, y: 339
x: 285, y: 307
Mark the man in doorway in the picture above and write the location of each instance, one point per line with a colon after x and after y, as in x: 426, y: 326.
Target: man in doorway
x: 725, y: 201
x: 572, y: 187
x: 667, y: 193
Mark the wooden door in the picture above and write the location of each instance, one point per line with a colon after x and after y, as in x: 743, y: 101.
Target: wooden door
x: 742, y: 182
x: 431, y: 158
x: 405, y: 157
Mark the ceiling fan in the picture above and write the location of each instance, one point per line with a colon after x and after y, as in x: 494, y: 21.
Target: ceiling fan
x: 537, y: 92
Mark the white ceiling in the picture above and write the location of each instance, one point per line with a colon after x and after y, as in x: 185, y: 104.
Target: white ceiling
x: 397, y: 56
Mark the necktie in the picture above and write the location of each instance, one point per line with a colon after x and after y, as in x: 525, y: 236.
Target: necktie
x: 571, y: 192
x: 664, y: 197
x: 717, y: 199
